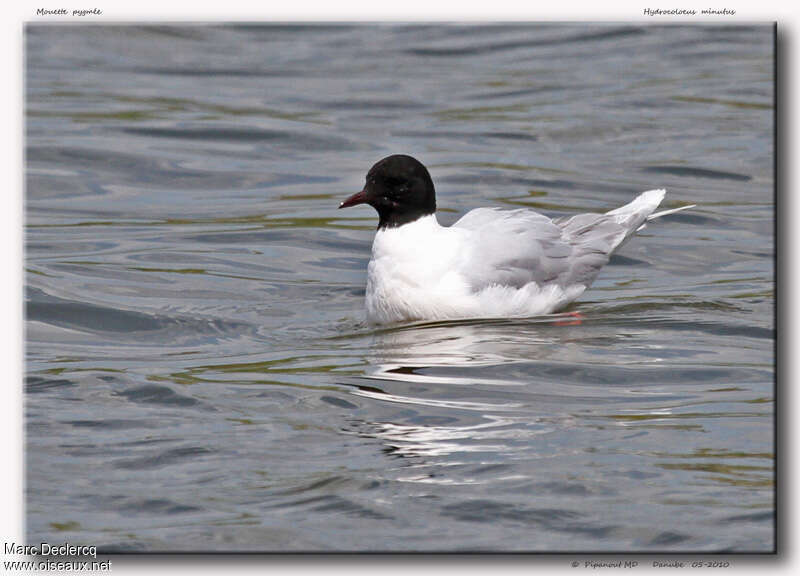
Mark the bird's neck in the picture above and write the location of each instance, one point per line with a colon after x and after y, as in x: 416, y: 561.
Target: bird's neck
x: 410, y: 236
x: 394, y: 217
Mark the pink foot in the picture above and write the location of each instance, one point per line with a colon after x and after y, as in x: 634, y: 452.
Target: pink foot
x: 578, y: 319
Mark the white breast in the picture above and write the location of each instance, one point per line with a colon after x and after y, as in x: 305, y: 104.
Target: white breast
x: 415, y: 274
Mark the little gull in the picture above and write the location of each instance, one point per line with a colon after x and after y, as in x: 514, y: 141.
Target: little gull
x: 492, y: 263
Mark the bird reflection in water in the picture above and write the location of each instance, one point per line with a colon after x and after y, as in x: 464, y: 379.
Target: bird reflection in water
x: 418, y: 366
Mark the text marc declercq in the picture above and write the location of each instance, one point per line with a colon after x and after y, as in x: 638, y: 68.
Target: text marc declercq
x: 45, y: 549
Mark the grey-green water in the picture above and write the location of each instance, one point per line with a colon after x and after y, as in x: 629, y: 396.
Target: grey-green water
x: 199, y: 375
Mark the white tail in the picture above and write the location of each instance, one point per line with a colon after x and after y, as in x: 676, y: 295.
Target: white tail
x: 645, y: 202
x: 632, y: 214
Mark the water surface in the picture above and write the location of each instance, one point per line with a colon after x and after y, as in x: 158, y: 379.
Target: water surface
x: 200, y: 375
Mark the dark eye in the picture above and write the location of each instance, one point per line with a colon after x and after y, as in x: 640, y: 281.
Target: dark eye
x: 395, y: 182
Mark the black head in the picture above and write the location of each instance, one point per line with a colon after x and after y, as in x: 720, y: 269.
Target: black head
x: 399, y: 188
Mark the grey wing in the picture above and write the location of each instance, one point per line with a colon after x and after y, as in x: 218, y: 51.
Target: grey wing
x: 513, y: 248
x: 592, y: 238
x: 516, y: 247
x: 595, y: 237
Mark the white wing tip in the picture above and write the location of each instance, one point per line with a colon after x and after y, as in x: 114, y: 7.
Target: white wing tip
x: 653, y: 196
x: 650, y: 199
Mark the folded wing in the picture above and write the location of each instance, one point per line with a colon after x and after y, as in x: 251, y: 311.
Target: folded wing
x: 516, y: 247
